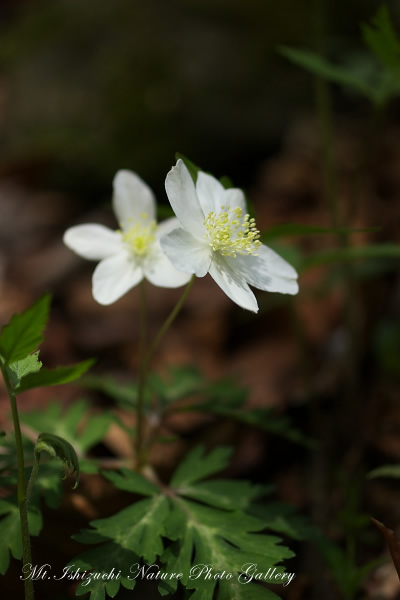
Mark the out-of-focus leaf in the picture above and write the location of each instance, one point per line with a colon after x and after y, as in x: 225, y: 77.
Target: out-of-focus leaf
x: 392, y: 471
x: 287, y: 229
x: 320, y: 66
x: 331, y: 255
x: 381, y: 38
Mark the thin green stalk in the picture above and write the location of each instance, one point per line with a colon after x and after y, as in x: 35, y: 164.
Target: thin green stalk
x: 144, y: 365
x: 21, y: 491
x: 33, y: 477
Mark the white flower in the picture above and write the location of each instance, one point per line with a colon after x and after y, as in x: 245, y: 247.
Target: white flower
x: 218, y: 237
x: 132, y: 253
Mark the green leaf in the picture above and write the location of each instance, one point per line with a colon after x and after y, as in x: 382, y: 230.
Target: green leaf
x: 381, y: 38
x: 282, y: 519
x: 223, y: 493
x: 110, y: 558
x: 21, y: 368
x: 24, y: 332
x: 75, y: 424
x: 333, y: 255
x: 58, y: 376
x: 197, y: 466
x: 323, y: 68
x: 392, y: 471
x: 132, y: 482
x: 10, y: 530
x: 229, y: 542
x: 210, y: 530
x: 57, y: 447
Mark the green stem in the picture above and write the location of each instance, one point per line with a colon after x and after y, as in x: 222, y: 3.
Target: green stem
x: 21, y: 491
x: 144, y: 365
x: 33, y: 477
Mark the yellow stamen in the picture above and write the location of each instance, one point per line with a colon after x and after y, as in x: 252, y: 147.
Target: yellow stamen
x: 231, y: 233
x: 140, y: 236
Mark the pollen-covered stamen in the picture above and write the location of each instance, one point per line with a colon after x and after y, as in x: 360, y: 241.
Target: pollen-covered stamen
x: 139, y: 236
x: 230, y: 232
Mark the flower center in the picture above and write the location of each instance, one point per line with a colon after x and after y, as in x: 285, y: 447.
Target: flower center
x: 140, y: 236
x: 230, y: 232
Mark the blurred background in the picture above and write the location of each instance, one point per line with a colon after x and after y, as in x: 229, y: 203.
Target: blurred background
x: 87, y: 88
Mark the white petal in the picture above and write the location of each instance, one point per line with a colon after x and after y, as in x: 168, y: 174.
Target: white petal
x: 210, y: 193
x: 93, y: 241
x: 186, y: 253
x: 183, y: 199
x: 234, y: 197
x: 115, y: 276
x: 159, y: 270
x: 167, y: 226
x: 234, y: 286
x: 268, y: 271
x: 132, y: 198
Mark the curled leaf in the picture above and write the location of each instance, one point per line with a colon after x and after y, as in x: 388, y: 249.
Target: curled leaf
x: 57, y: 447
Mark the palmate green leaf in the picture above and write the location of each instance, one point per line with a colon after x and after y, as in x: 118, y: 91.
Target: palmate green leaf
x: 134, y: 532
x: 107, y: 557
x: 10, y: 530
x: 75, y: 424
x: 130, y: 481
x: 57, y: 447
x: 24, y: 332
x: 224, y: 493
x: 381, y: 38
x: 21, y: 368
x: 197, y: 465
x: 228, y: 541
x: 50, y: 377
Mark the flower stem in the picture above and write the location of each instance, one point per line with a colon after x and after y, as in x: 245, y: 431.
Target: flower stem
x: 144, y: 365
x: 21, y: 492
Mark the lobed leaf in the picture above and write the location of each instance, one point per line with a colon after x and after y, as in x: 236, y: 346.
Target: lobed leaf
x: 197, y: 466
x: 10, y: 530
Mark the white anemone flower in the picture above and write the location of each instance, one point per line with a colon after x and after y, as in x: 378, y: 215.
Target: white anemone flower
x: 217, y: 236
x: 133, y: 252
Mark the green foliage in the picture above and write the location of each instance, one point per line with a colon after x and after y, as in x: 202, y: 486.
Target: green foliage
x: 75, y: 424
x: 333, y: 255
x: 184, y: 527
x: 10, y: 530
x: 24, y: 332
x: 58, y: 376
x: 380, y: 81
x: 21, y: 368
x: 381, y: 38
x: 57, y: 447
x: 392, y: 471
